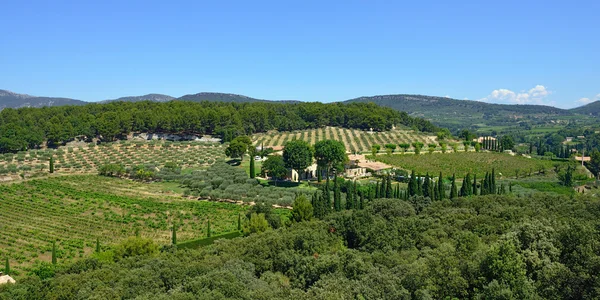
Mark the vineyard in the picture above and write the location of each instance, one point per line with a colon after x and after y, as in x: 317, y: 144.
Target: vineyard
x: 355, y: 140
x: 75, y: 210
x: 87, y: 158
x: 462, y: 163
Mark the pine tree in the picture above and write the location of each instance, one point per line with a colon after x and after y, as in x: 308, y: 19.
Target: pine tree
x: 208, y: 234
x: 337, y: 196
x: 474, y: 192
x: 174, y: 235
x: 97, y: 245
x: 252, y: 171
x: 54, y: 252
x: 441, y: 189
x: 51, y: 164
x: 388, y: 187
x: 7, y: 267
x: 453, y: 189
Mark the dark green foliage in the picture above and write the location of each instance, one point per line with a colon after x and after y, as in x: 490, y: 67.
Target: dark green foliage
x: 174, y: 235
x: 7, y: 267
x: 349, y: 195
x: 54, y: 252
x: 388, y: 187
x: 239, y: 222
x: 97, y: 245
x: 297, y: 155
x: 208, y: 231
x: 193, y: 244
x: 337, y: 195
x: 412, y: 184
x: 453, y: 188
x: 111, y: 170
x: 274, y: 167
x: 441, y: 188
x: 330, y: 155
x: 302, y: 209
x: 51, y: 165
x: 252, y: 171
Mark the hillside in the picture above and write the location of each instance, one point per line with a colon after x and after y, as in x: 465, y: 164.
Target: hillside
x: 455, y: 113
x: 592, y: 109
x: 151, y: 97
x: 223, y: 97
x: 14, y: 100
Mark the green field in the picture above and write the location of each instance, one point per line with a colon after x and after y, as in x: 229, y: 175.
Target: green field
x: 462, y: 163
x: 74, y: 210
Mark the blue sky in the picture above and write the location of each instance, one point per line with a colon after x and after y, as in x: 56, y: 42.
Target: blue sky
x: 496, y: 51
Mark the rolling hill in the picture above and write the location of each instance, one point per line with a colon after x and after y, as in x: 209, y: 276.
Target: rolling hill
x: 592, y: 109
x: 223, y: 97
x: 151, y: 97
x: 14, y: 100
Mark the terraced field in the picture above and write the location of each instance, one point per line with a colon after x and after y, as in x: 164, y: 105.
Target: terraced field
x: 74, y: 210
x: 356, y: 141
x: 88, y: 158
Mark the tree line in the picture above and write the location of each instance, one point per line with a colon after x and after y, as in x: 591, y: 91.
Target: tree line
x: 27, y: 128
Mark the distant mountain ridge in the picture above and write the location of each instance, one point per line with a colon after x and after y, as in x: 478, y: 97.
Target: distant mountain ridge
x: 443, y: 111
x: 10, y: 99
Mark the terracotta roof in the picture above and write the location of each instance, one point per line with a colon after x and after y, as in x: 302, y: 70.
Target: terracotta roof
x: 375, y: 166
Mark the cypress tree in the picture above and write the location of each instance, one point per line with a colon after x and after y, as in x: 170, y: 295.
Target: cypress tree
x: 484, y: 185
x: 419, y: 186
x: 174, y: 235
x: 426, y: 187
x: 349, y: 197
x: 362, y: 201
x: 337, y: 196
x: 252, y: 171
x: 326, y: 197
x: 51, y: 164
x: 239, y: 227
x: 453, y: 189
x: 493, y: 179
x: 434, y: 190
x: 355, y: 189
x: 510, y: 187
x: 319, y: 175
x: 208, y: 234
x: 371, y: 193
x: 397, y: 196
x: 382, y: 188
x: 97, y: 245
x: 474, y: 185
x: 441, y: 190
x: 54, y: 252
x: 412, y: 184
x: 377, y: 190
x: 7, y: 267
x: 388, y: 187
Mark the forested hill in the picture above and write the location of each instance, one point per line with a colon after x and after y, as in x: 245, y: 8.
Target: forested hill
x: 449, y: 112
x: 588, y: 109
x: 14, y: 100
x: 150, y: 97
x: 30, y: 127
x: 222, y: 97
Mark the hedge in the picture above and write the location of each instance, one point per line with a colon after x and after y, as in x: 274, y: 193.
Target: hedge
x: 191, y: 244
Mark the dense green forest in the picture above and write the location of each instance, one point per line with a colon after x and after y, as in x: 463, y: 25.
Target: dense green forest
x: 479, y: 247
x: 25, y: 128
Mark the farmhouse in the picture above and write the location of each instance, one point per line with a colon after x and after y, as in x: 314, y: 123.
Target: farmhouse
x: 359, y: 161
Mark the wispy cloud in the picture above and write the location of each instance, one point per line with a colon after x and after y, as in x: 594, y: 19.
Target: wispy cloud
x: 536, y: 95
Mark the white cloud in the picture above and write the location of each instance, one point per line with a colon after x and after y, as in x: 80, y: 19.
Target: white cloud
x: 536, y: 95
x: 586, y: 100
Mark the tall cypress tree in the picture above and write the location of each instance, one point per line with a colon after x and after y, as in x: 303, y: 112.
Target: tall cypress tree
x: 426, y: 187
x: 208, y: 233
x: 493, y: 179
x: 388, y: 187
x: 377, y: 190
x: 337, y: 195
x: 453, y: 188
x: 382, y: 188
x: 174, y: 235
x: 349, y: 196
x: 441, y: 189
x: 239, y: 225
x: 326, y: 197
x: 355, y: 190
x: 474, y: 192
x: 412, y: 184
x: 420, y: 186
x: 362, y: 201
x: 7, y: 267
x: 54, y: 252
x: 51, y: 164
x: 97, y: 244
x: 252, y: 171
